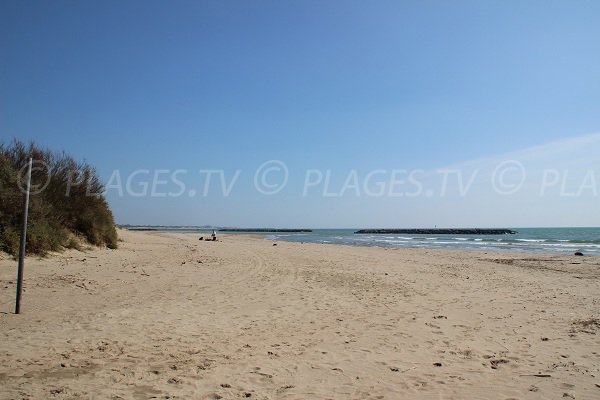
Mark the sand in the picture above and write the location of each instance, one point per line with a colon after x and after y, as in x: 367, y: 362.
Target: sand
x: 167, y: 316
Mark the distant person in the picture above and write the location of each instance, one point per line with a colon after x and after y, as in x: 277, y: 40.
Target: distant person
x: 214, y: 235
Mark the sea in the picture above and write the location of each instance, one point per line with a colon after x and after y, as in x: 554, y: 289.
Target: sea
x: 537, y: 240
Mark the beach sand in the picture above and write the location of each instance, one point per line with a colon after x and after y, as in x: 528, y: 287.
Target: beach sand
x: 167, y: 316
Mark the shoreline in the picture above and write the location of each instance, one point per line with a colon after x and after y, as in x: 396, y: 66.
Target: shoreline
x: 514, y: 253
x: 168, y: 315
x: 561, y: 241
x: 434, y: 249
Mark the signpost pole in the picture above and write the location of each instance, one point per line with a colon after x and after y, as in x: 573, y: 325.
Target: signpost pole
x: 23, y: 239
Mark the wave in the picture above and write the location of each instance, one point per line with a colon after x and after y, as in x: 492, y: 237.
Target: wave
x: 572, y: 245
x: 535, y: 240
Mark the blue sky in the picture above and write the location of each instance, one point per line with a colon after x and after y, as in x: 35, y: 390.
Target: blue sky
x: 318, y: 85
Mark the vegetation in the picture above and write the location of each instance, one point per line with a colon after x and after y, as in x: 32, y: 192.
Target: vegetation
x: 66, y: 204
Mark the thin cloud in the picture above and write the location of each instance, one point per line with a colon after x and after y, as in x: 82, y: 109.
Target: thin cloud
x: 580, y: 150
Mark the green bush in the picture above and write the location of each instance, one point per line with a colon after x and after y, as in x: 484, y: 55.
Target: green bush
x: 71, y: 203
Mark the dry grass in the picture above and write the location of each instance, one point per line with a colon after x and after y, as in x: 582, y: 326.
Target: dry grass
x: 71, y: 204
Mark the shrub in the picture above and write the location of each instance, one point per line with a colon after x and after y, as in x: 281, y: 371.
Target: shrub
x: 71, y: 204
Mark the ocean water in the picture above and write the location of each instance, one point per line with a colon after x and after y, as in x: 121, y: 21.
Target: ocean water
x: 539, y: 240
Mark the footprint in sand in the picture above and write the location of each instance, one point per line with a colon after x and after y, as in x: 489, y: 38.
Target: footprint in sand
x: 212, y: 396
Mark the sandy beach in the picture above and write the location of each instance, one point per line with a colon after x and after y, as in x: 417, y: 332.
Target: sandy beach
x: 167, y: 316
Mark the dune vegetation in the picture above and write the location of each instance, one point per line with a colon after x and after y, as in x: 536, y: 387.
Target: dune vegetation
x: 66, y: 209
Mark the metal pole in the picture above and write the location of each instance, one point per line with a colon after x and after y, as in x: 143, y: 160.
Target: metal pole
x: 23, y: 239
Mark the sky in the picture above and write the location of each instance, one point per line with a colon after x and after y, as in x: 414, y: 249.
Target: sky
x: 335, y: 100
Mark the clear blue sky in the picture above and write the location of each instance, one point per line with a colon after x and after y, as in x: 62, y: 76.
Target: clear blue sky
x: 334, y: 85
